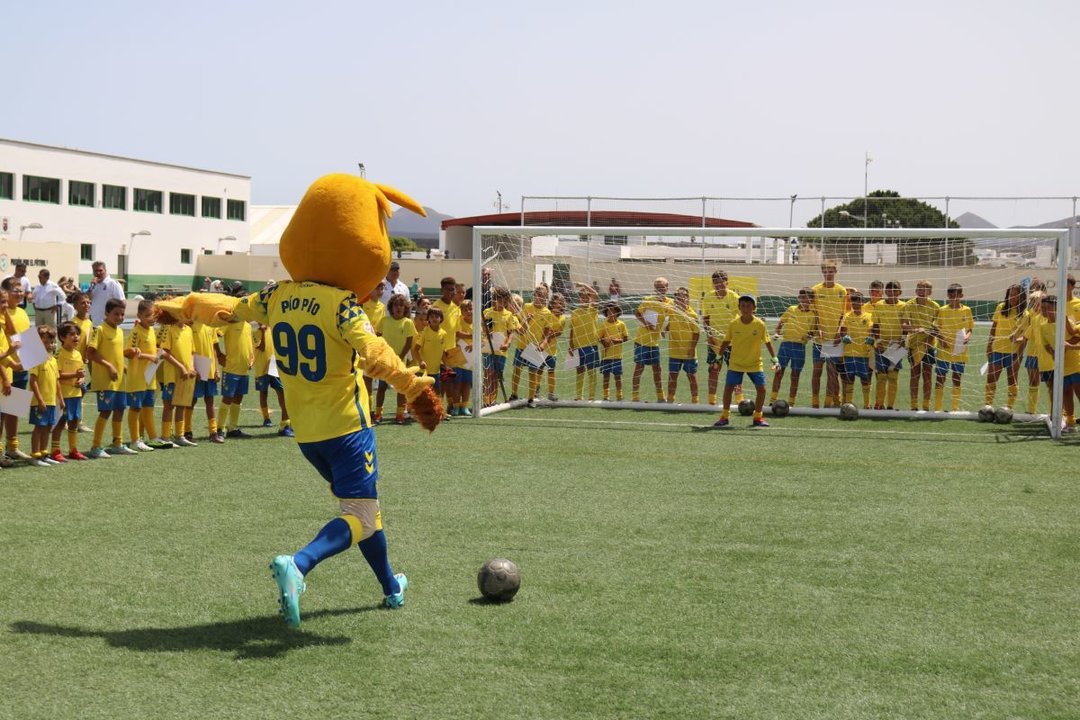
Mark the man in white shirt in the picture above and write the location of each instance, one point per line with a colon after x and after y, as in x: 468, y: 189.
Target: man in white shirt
x: 102, y: 289
x: 393, y: 284
x: 47, y: 299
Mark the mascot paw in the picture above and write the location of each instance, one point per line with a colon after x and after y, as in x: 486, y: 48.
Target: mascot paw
x: 427, y: 408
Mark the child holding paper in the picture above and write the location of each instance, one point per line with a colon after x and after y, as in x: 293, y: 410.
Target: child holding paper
x: 797, y: 325
x: 500, y: 325
x: 72, y: 372
x: 584, y: 340
x: 397, y: 329
x: 917, y: 321
x: 683, y: 334
x: 45, y: 385
x: 551, y: 345
x: 856, y: 330
x: 142, y: 353
x: 652, y: 315
x: 889, y: 332
x: 953, y: 331
x: 460, y: 362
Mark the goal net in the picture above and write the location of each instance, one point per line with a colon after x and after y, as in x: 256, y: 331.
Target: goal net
x: 899, y: 322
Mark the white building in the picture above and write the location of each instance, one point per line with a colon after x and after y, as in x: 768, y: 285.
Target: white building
x: 147, y: 221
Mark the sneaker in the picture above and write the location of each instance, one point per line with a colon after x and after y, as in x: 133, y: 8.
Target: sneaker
x: 181, y: 441
x: 217, y: 437
x: 268, y: 423
x: 97, y: 454
x: 160, y: 444
x: 376, y: 419
x: 399, y: 420
x: 6, y: 462
x: 760, y: 422
x: 58, y: 457
x: 466, y: 412
x: 18, y: 455
x: 397, y: 599
x: 237, y: 434
x: 141, y: 446
x: 291, y: 586
x: 39, y: 463
x: 84, y: 428
x: 47, y: 460
x: 287, y: 431
x: 513, y: 398
x: 121, y: 449
x: 722, y: 423
x: 76, y: 455
x: 553, y: 397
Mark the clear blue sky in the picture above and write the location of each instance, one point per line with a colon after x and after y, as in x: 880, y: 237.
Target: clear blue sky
x: 453, y: 101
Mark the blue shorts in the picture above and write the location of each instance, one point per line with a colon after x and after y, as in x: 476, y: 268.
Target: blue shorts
x: 268, y: 382
x: 43, y: 418
x: 139, y: 400
x: 20, y: 379
x: 792, y: 353
x: 464, y: 376
x: 109, y: 400
x: 1004, y: 360
x: 495, y: 362
x: 928, y: 358
x: 675, y: 365
x: 645, y: 355
x: 713, y: 359
x: 942, y: 367
x: 518, y: 360
x: 588, y: 357
x: 1047, y: 376
x: 611, y: 367
x: 167, y: 391
x: 549, y: 362
x: 205, y: 388
x: 347, y: 462
x: 882, y: 364
x: 734, y: 377
x: 819, y: 358
x: 73, y: 409
x: 1030, y: 362
x: 234, y: 385
x: 1071, y: 379
x: 856, y: 367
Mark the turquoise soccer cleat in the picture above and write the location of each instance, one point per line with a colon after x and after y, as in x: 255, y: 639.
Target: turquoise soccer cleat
x: 397, y: 599
x: 291, y: 584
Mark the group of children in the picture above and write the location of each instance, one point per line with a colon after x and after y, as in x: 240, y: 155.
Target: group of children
x: 186, y: 362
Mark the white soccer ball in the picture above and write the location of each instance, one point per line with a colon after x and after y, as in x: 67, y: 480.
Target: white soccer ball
x: 849, y: 412
x: 986, y: 413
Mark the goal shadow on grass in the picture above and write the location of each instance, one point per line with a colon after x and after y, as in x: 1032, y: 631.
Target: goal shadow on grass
x: 259, y: 638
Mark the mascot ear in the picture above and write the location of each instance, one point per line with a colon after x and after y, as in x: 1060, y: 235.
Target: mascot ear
x: 396, y: 196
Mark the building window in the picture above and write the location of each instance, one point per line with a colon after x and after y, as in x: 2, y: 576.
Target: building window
x: 147, y: 200
x: 41, y: 189
x: 207, y: 251
x: 211, y: 207
x: 86, y: 251
x: 80, y: 193
x: 181, y: 204
x: 236, y: 209
x: 7, y: 186
x: 615, y: 240
x: 185, y: 256
x: 114, y: 197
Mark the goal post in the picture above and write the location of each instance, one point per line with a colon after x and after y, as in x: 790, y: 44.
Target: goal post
x: 772, y: 264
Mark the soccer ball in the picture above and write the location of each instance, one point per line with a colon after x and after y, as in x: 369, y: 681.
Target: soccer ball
x: 986, y: 413
x: 849, y: 412
x: 780, y: 408
x: 746, y: 407
x: 1003, y: 416
x: 499, y: 580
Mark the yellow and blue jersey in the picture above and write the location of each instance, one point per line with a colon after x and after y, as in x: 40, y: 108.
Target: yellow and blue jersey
x: 47, y: 374
x: 830, y: 304
x: 583, y: 327
x: 451, y: 320
x: 179, y: 342
x: 746, y: 340
x: 503, y: 322
x: 858, y: 329
x: 145, y: 341
x: 717, y: 313
x: 683, y: 333
x: 887, y: 318
x: 70, y: 361
x: 612, y: 331
x: 429, y: 347
x: 239, y: 348
x: 109, y: 343
x: 662, y: 306
x: 949, y: 322
x: 204, y: 342
x: 797, y: 324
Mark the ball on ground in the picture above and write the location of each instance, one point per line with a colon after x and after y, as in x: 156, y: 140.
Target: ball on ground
x: 499, y: 580
x: 746, y: 407
x: 986, y: 413
x: 849, y: 412
x: 780, y: 408
x: 1003, y: 416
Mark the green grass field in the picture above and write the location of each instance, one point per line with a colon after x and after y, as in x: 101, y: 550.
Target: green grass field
x: 882, y: 569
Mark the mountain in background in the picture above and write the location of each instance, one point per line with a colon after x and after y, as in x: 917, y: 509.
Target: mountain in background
x: 971, y: 221
x: 424, y: 231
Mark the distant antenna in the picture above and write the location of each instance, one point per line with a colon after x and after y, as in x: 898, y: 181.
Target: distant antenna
x: 499, y: 207
x: 363, y: 170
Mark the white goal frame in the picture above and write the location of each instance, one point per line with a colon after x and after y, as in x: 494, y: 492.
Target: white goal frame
x: 1062, y: 237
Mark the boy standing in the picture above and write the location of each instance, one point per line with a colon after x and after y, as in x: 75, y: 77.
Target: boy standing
x: 858, y: 338
x: 745, y: 336
x: 106, y: 354
x: 239, y: 358
x: 889, y: 332
x: 652, y: 313
x: 717, y: 310
x: 683, y: 334
x: 584, y: 340
x: 953, y: 330
x: 830, y: 303
x: 917, y: 321
x: 797, y: 325
x: 612, y: 334
x: 45, y: 385
x: 141, y: 352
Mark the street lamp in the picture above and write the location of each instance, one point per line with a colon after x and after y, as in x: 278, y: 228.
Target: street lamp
x: 866, y: 189
x: 363, y: 170
x: 230, y: 238
x: 31, y: 226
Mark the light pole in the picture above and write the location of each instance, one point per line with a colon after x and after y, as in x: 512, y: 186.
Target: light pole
x: 31, y: 226
x: 866, y: 188
x: 227, y: 238
x: 363, y: 170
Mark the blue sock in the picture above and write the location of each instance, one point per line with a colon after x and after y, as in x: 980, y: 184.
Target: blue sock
x: 335, y: 537
x: 374, y: 549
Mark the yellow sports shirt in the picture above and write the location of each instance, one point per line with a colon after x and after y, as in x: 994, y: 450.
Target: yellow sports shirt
x: 830, y: 304
x: 1044, y: 333
x: 47, y: 374
x: 451, y: 320
x: 683, y: 333
x: 662, y: 307
x: 530, y: 324
x: 797, y: 324
x: 583, y: 329
x: 204, y: 342
x: 109, y: 343
x: 375, y: 311
x: 556, y: 326
x: 239, y: 348
x: 949, y: 322
x: 179, y: 342
x: 920, y: 315
x: 887, y: 316
x: 429, y: 348
x: 503, y: 322
x: 396, y: 332
x: 612, y: 331
x: 144, y: 340
x: 86, y: 326
x: 717, y: 313
x: 70, y: 361
x: 19, y: 319
x: 858, y: 327
x: 262, y: 355
x: 746, y: 339
x: 1004, y: 325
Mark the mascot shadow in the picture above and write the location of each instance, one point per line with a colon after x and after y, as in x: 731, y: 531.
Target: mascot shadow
x: 259, y: 638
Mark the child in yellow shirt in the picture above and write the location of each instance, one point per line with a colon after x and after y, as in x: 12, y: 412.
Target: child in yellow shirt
x: 45, y: 385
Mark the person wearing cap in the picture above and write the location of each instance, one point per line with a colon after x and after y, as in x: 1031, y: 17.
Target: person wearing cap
x: 745, y: 336
x: 393, y: 284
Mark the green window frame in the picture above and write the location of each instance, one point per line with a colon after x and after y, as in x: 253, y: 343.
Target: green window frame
x: 236, y: 210
x: 41, y: 189
x: 181, y: 204
x: 81, y: 193
x: 147, y: 201
x: 211, y: 207
x: 114, y: 197
x: 185, y: 256
x: 7, y: 186
x: 86, y: 251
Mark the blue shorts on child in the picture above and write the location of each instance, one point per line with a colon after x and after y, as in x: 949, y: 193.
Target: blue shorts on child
x: 268, y: 382
x: 588, y: 357
x: 43, y: 418
x: 73, y: 409
x: 495, y: 362
x: 140, y: 399
x: 734, y: 377
x: 611, y: 367
x: 464, y: 376
x: 109, y: 400
x: 205, y: 388
x: 233, y: 385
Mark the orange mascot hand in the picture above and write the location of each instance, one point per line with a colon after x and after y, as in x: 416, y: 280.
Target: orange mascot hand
x: 381, y: 362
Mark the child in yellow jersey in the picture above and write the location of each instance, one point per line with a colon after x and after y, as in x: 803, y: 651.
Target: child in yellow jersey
x: 142, y: 352
x: 500, y: 325
x: 205, y: 350
x: 264, y: 381
x: 584, y: 341
x: 106, y: 351
x: 81, y: 302
x: 652, y: 314
x: 856, y: 331
x: 1071, y: 370
x: 718, y: 308
x: 953, y: 332
x: 889, y: 335
x: 237, y: 361
x: 745, y: 336
x: 398, y: 331
x: 535, y: 318
x: 612, y: 334
x: 430, y: 348
x: 463, y: 338
x: 917, y: 322
x: 72, y: 373
x: 1002, y: 348
x: 179, y: 389
x: 45, y: 385
x: 375, y: 311
x: 683, y: 335
x: 420, y: 315
x: 1045, y: 337
x: 830, y: 303
x: 451, y: 317
x: 550, y: 345
x: 877, y: 295
x: 20, y: 323
x: 797, y: 325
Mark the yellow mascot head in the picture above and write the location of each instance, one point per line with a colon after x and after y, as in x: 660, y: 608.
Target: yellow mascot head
x: 337, y: 236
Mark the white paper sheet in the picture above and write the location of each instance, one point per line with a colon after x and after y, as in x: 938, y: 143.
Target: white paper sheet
x: 832, y: 349
x: 960, y: 342
x: 17, y: 403
x: 571, y: 361
x: 464, y: 347
x: 202, y: 366
x: 151, y: 370
x: 984, y: 368
x: 271, y: 369
x: 32, y: 351
x: 497, y: 340
x: 534, y: 356
x: 650, y: 316
x: 894, y: 353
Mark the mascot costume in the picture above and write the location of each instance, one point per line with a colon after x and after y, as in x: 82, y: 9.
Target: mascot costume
x: 336, y: 251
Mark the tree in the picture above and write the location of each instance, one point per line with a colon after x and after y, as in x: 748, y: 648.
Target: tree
x: 884, y: 209
x: 403, y: 244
